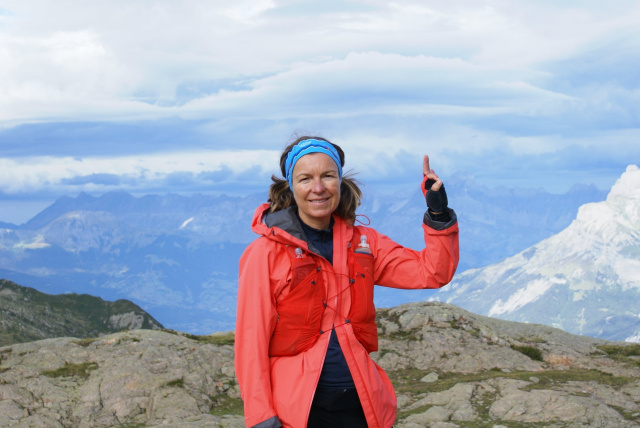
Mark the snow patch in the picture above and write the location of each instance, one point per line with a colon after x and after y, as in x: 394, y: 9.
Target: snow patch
x: 37, y: 244
x: 634, y: 338
x: 628, y: 185
x: 628, y: 271
x: 529, y: 294
x: 186, y: 222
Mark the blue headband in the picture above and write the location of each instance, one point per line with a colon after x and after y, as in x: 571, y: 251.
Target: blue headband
x: 305, y: 147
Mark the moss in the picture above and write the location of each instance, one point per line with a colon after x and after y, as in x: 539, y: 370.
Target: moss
x: 213, y: 339
x: 223, y: 406
x: 622, y: 350
x: 85, y: 342
x: 178, y: 383
x: 530, y: 351
x: 550, y: 379
x: 455, y: 324
x: 623, y: 353
x: 216, y: 339
x: 407, y: 381
x: 405, y: 413
x: 625, y: 413
x: 82, y: 370
x: 127, y: 339
x: 382, y: 352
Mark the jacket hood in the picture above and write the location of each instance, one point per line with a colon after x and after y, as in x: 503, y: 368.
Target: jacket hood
x: 281, y: 226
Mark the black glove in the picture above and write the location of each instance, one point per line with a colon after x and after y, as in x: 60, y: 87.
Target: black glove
x: 436, y: 200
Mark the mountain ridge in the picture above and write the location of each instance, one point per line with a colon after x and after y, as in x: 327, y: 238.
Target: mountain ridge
x: 177, y: 256
x: 585, y: 279
x: 27, y: 315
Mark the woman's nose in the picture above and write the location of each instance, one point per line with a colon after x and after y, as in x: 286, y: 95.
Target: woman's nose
x: 318, y: 186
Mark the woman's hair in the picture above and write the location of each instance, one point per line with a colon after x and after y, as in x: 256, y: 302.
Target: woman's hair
x: 281, y: 196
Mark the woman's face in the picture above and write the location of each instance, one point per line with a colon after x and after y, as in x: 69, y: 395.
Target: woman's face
x: 316, y: 189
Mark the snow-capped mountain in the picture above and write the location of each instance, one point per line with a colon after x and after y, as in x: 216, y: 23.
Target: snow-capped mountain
x: 585, y: 279
x: 177, y: 256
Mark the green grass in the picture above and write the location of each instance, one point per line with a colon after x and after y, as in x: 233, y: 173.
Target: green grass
x: 630, y: 350
x: 625, y: 413
x: 85, y: 342
x: 127, y: 339
x: 219, y: 339
x: 178, y: 383
x: 407, y: 381
x: 623, y: 352
x: 227, y: 406
x: 401, y: 334
x: 82, y: 370
x: 530, y: 351
x: 215, y: 339
x: 547, y: 380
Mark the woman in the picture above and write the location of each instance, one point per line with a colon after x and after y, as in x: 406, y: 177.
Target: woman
x: 306, y: 319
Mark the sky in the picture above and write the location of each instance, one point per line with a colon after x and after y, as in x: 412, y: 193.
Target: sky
x: 157, y: 96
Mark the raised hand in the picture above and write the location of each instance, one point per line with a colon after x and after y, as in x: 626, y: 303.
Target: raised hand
x: 433, y: 181
x: 433, y: 189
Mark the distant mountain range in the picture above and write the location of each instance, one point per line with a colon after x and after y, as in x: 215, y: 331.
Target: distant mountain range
x: 27, y: 315
x: 177, y: 256
x: 585, y: 279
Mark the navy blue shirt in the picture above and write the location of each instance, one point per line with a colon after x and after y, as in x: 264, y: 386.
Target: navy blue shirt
x: 335, y: 371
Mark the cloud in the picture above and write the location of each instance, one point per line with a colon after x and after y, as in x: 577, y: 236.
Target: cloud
x: 152, y: 95
x: 170, y: 171
x: 222, y: 174
x: 103, y: 179
x: 100, y: 61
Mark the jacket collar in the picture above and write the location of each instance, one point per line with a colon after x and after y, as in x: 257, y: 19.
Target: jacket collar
x: 284, y: 226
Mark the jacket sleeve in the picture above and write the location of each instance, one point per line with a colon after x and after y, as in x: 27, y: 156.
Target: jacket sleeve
x: 255, y: 322
x: 433, y: 267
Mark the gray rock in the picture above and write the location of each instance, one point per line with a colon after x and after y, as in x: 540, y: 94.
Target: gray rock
x: 431, y: 377
x: 477, y: 370
x: 138, y: 377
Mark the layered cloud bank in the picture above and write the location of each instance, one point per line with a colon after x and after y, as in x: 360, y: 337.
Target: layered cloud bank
x: 521, y: 93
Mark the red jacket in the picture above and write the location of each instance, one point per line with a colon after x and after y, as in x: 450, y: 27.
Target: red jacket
x: 283, y: 386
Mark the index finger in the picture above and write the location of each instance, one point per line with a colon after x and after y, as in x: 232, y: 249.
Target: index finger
x: 425, y: 165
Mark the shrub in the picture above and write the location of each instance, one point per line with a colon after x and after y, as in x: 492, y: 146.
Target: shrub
x: 530, y: 351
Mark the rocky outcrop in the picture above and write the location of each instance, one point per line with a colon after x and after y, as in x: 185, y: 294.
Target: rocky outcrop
x: 138, y: 377
x: 450, y: 368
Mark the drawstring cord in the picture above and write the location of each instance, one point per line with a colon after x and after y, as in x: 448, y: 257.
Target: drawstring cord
x: 361, y: 222
x: 330, y: 298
